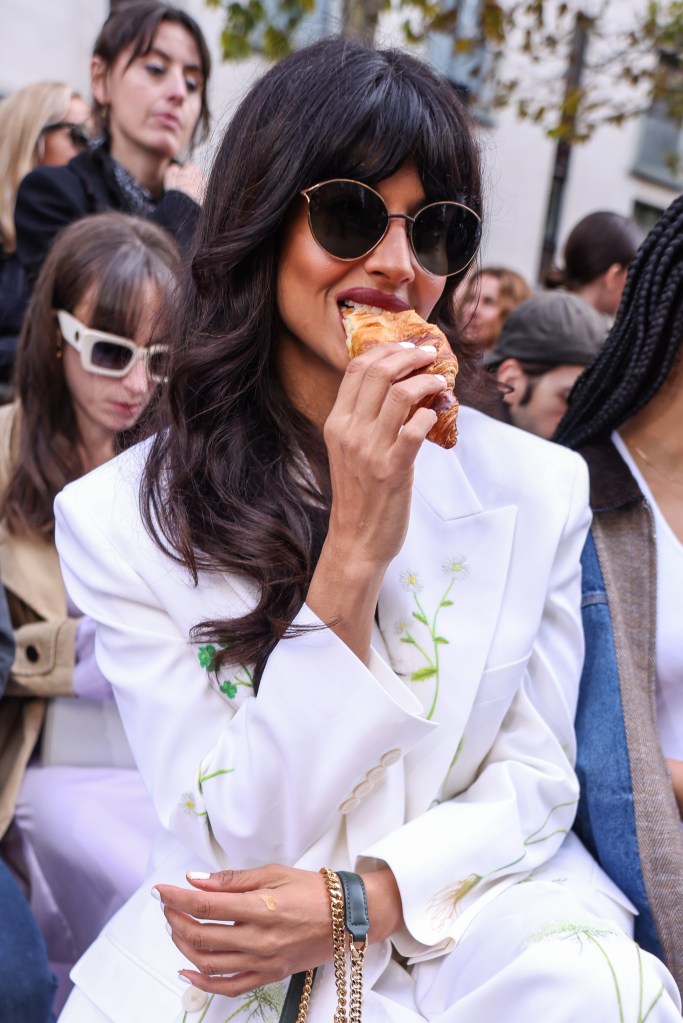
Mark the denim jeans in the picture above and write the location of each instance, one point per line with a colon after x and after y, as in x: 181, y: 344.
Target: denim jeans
x: 27, y: 987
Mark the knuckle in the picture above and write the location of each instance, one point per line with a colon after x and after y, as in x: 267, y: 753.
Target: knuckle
x: 202, y: 907
x: 377, y: 371
x: 357, y: 365
x: 196, y: 940
x: 400, y: 393
x: 225, y: 878
x: 205, y: 966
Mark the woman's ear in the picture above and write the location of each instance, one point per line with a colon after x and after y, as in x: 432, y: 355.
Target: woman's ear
x: 511, y: 374
x: 98, y: 81
x: 615, y: 277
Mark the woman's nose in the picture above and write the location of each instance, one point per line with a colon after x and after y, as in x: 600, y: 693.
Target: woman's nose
x: 137, y: 382
x: 393, y: 257
x: 177, y: 86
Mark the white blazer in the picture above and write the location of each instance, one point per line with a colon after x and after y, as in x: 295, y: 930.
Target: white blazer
x: 448, y: 757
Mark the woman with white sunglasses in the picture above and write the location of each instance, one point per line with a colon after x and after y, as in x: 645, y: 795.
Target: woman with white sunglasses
x: 90, y: 354
x: 335, y: 644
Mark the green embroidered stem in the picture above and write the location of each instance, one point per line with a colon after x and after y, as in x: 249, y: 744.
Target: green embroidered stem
x: 214, y: 774
x: 529, y: 839
x: 457, y: 569
x: 206, y: 1009
x: 267, y: 1001
x: 612, y: 971
x: 505, y: 866
x: 409, y: 638
x: 462, y: 888
x: 432, y: 632
x: 240, y: 1008
x: 654, y: 1002
x: 641, y: 1018
x: 442, y: 791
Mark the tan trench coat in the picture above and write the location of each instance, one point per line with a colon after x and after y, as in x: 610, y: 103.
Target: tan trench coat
x: 44, y: 634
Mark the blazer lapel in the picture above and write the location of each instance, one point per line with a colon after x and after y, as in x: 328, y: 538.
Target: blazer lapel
x: 439, y: 606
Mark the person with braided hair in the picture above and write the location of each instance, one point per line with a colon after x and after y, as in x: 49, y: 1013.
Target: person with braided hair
x: 624, y: 417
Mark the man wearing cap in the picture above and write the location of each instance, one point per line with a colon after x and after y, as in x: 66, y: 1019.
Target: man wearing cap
x: 544, y: 346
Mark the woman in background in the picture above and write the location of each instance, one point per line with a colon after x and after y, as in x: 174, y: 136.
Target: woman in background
x: 486, y: 298
x: 87, y: 366
x: 597, y: 255
x: 41, y: 125
x: 624, y: 417
x: 149, y: 74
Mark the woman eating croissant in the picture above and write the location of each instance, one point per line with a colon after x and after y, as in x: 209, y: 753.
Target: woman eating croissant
x: 346, y: 657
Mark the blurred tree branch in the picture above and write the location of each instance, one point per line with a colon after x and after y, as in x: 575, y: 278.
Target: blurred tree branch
x: 632, y: 58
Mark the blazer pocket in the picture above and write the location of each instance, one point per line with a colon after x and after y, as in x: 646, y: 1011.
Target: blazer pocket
x: 496, y: 692
x: 500, y: 683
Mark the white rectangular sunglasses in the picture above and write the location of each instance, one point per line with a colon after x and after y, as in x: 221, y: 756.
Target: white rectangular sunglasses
x: 108, y: 354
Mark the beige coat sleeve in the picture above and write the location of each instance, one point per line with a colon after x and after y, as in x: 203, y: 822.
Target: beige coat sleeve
x: 44, y: 660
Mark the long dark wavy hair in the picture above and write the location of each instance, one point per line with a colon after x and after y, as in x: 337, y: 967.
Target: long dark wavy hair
x: 642, y: 344
x: 111, y: 258
x: 238, y: 481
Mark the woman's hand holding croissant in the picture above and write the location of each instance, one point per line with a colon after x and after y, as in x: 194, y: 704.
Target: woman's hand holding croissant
x: 372, y: 446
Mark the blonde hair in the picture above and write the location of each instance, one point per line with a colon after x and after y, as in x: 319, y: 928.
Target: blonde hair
x: 23, y: 115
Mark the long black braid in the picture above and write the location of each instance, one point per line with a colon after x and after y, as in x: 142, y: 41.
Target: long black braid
x: 641, y: 346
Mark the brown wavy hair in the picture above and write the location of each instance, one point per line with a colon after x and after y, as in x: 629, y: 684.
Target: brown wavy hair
x: 112, y: 257
x: 238, y: 482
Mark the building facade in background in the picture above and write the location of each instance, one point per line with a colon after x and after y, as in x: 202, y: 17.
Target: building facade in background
x: 630, y: 169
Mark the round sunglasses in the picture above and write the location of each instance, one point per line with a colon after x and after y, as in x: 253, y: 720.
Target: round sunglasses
x: 109, y: 355
x: 349, y: 219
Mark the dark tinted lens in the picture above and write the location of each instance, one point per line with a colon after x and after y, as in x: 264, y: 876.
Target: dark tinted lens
x: 79, y: 136
x: 346, y: 218
x: 109, y: 355
x: 445, y: 237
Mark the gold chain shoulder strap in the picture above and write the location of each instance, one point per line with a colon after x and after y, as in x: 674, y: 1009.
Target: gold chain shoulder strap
x: 348, y: 906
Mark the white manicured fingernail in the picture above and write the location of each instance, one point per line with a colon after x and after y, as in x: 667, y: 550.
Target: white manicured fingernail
x: 441, y: 378
x: 169, y: 929
x: 408, y: 344
x: 185, y: 980
x: 427, y: 348
x: 197, y: 875
x: 155, y: 893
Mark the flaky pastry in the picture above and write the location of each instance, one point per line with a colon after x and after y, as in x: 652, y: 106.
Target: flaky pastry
x: 367, y: 327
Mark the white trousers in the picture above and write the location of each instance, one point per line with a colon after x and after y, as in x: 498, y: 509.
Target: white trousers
x: 91, y: 832
x: 538, y: 953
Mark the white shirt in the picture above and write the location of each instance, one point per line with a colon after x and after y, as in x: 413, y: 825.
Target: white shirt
x: 669, y: 638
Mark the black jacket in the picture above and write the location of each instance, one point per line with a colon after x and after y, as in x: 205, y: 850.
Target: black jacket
x: 49, y: 198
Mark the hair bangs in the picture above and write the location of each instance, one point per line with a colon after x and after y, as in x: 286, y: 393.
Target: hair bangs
x: 123, y: 289
x: 395, y: 112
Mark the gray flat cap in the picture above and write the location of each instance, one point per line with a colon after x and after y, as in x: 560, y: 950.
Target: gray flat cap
x: 554, y: 327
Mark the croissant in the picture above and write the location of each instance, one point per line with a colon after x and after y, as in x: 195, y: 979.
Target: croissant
x: 367, y: 327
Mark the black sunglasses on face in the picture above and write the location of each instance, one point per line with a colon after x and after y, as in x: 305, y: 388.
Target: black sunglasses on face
x: 349, y: 219
x: 78, y: 133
